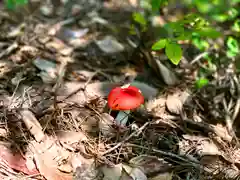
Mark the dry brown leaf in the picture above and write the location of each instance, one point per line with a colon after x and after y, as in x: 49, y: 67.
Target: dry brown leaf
x: 163, y: 176
x: 168, y: 76
x: 156, y: 106
x: 32, y: 124
x: 174, y: 104
x: 71, y: 137
x: 135, y: 172
x: 47, y: 156
x: 176, y: 101
x: 150, y: 164
x: 203, y: 146
x: 105, y: 125
x: 84, y: 168
x: 15, y: 161
x: 112, y: 173
x: 90, y: 124
x: 222, y: 132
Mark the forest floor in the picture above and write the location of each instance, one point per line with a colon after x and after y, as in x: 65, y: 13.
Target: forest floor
x: 57, y: 66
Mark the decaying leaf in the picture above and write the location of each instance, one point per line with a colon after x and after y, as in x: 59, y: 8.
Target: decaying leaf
x: 202, y: 145
x: 16, y: 161
x: 168, y: 76
x: 163, y: 176
x: 32, y: 124
x: 84, y: 168
x: 150, y: 164
x: 105, y: 125
x: 112, y: 173
x: 71, y: 137
x: 222, y: 132
x: 135, y: 172
x: 110, y: 45
x: 176, y: 101
x: 48, y: 155
x: 174, y: 105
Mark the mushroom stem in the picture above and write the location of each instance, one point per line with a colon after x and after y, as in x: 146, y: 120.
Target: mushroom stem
x: 122, y: 117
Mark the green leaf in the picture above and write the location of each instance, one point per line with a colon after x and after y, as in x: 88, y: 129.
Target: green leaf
x: 139, y: 18
x: 236, y: 26
x: 220, y: 17
x: 232, y: 44
x: 231, y: 54
x: 208, y: 32
x: 159, y: 44
x: 200, y: 43
x: 201, y: 83
x: 12, y: 4
x: 186, y: 35
x: 156, y: 4
x: 233, y: 13
x: 173, y: 52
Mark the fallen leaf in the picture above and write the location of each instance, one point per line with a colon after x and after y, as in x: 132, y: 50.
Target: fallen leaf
x: 163, y: 176
x: 134, y: 172
x: 32, y: 124
x: 112, y: 173
x: 174, y: 104
x: 47, y: 155
x: 222, y: 132
x: 105, y: 125
x: 110, y: 45
x: 203, y: 146
x: 84, y: 168
x: 15, y: 161
x: 176, y: 101
x: 168, y: 76
x: 71, y: 137
x: 150, y: 164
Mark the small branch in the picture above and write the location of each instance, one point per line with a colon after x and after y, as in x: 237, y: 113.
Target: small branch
x: 126, y: 139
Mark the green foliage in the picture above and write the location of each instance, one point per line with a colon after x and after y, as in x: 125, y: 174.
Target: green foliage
x: 12, y: 4
x: 201, y: 82
x: 156, y: 4
x: 236, y: 25
x: 232, y: 47
x: 173, y: 52
x: 159, y: 44
x: 139, y: 18
x: 200, y: 43
x: 197, y: 27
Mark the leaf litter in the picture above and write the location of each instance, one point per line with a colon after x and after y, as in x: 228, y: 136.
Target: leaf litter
x: 56, y: 73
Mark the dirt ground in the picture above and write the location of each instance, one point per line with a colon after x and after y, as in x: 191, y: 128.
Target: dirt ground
x: 57, y: 65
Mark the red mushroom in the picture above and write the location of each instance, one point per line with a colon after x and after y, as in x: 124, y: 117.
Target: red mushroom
x: 124, y: 99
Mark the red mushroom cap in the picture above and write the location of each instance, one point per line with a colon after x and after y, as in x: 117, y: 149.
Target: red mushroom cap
x: 125, y: 98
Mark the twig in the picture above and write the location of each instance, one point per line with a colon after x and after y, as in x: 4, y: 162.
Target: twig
x: 229, y: 122
x: 11, y: 48
x: 126, y: 139
x: 15, y: 91
x: 198, y: 57
x: 82, y: 88
x: 237, y: 106
x: 182, y: 158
